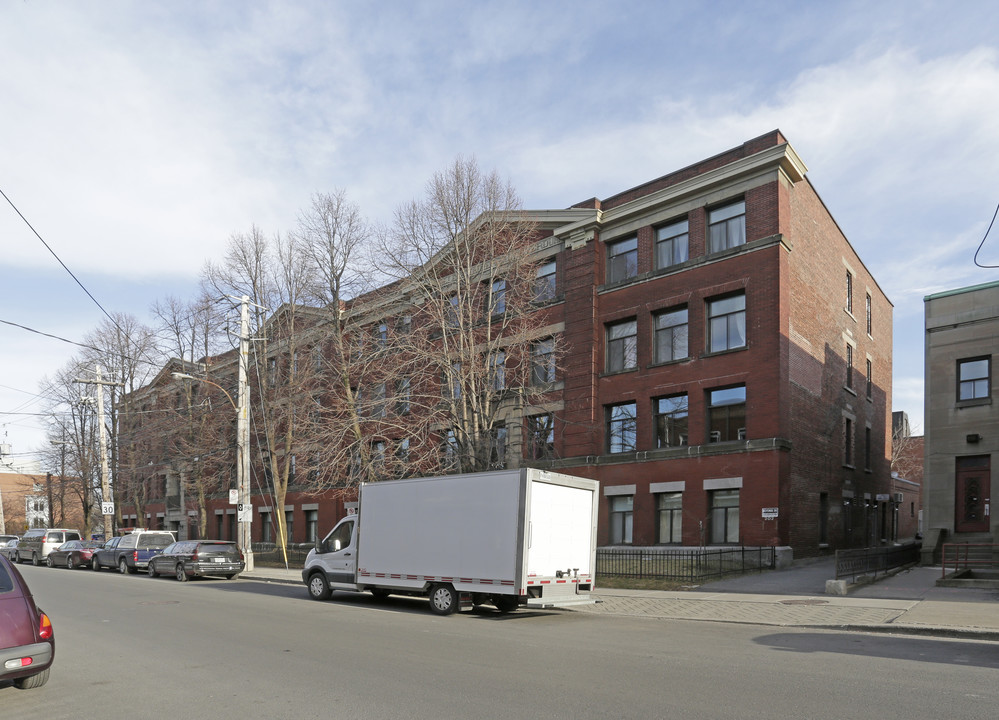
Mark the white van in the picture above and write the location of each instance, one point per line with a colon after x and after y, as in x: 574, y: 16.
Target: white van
x: 37, y: 543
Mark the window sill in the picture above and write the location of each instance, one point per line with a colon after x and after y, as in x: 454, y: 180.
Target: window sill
x: 612, y: 373
x: 850, y: 390
x: 729, y: 351
x: 666, y: 363
x: 847, y: 466
x: 977, y: 402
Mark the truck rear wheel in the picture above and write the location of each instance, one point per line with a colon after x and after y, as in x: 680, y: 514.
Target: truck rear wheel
x: 319, y: 589
x: 443, y: 599
x: 506, y: 603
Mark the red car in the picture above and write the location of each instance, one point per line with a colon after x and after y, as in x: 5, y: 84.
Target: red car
x: 72, y: 554
x: 27, y: 643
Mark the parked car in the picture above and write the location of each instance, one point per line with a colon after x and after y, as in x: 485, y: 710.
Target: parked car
x: 198, y: 558
x: 132, y: 551
x: 37, y: 543
x: 9, y: 549
x: 72, y: 554
x: 107, y: 556
x: 4, y: 539
x: 27, y: 642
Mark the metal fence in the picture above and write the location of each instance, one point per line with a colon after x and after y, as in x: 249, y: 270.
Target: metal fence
x: 270, y: 555
x: 969, y: 556
x: 689, y: 564
x: 866, y: 561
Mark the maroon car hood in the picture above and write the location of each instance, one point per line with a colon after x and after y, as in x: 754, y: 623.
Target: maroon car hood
x: 17, y: 621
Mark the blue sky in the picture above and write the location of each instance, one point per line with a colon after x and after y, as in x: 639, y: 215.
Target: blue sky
x: 137, y: 136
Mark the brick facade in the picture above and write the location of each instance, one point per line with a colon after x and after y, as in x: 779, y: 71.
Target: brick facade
x: 785, y: 262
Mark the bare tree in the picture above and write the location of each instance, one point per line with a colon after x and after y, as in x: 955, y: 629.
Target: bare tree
x: 466, y: 255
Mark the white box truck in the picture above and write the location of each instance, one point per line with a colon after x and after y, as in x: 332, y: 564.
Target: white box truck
x: 507, y: 538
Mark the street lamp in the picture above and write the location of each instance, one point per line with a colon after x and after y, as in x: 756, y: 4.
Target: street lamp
x: 242, y: 459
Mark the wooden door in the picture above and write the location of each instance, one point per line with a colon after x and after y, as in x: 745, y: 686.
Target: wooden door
x: 972, y: 484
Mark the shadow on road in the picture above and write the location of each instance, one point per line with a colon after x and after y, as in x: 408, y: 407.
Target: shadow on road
x: 948, y: 652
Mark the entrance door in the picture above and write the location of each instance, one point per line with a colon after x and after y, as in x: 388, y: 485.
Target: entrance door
x: 972, y: 484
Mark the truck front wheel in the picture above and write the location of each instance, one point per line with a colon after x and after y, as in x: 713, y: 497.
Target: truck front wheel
x: 443, y: 599
x: 319, y: 589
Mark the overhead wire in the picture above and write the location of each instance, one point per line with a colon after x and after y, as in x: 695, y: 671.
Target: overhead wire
x: 982, y: 243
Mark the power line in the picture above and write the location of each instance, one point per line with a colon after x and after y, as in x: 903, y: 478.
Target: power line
x: 49, y: 335
x: 9, y: 202
x: 982, y: 243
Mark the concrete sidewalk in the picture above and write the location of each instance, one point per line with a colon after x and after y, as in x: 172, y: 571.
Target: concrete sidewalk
x: 908, y: 602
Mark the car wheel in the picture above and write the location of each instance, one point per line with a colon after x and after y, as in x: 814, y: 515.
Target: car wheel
x: 34, y: 681
x: 48, y: 561
x: 123, y: 566
x: 443, y: 599
x: 94, y: 565
x: 35, y: 560
x: 180, y: 572
x: 319, y: 589
x: 151, y: 570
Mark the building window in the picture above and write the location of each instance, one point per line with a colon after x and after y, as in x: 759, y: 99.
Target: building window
x: 669, y: 511
x: 544, y: 283
x: 289, y: 525
x: 622, y: 260
x: 452, y: 312
x: 451, y: 381
x: 621, y: 508
x: 973, y: 379
x: 849, y: 292
x: 671, y: 244
x: 867, y: 449
x: 378, y: 404
x: 724, y: 517
x: 496, y: 298
x: 272, y: 372
x: 727, y: 227
x: 870, y: 380
x: 849, y: 366
x: 311, y: 525
x: 848, y: 442
x: 727, y: 414
x: 404, y: 325
x: 622, y: 346
x: 497, y: 370
x: 451, y: 451
x: 543, y: 362
x: 402, y: 395
x: 670, y: 416
x: 727, y: 323
x: 868, y: 313
x: 266, y: 528
x: 671, y: 335
x: 497, y: 447
x: 381, y: 335
x: 402, y: 455
x: 541, y: 437
x: 622, y: 423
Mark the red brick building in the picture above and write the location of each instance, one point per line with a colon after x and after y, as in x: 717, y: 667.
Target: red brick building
x: 728, y: 373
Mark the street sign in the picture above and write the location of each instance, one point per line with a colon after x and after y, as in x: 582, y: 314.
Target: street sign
x: 233, y: 497
x: 770, y: 513
x: 107, y: 508
x: 244, y: 513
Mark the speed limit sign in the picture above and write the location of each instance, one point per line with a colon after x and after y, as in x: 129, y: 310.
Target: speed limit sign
x: 107, y: 508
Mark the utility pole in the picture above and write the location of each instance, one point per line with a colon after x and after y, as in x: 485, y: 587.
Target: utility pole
x: 244, y: 509
x: 107, y: 504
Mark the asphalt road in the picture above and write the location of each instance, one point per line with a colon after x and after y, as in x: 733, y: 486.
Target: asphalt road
x: 136, y: 647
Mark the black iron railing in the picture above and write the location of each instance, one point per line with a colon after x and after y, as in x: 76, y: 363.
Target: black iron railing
x: 689, y: 564
x: 871, y: 561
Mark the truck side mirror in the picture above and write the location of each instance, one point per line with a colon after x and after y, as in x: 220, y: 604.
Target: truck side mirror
x: 336, y: 545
